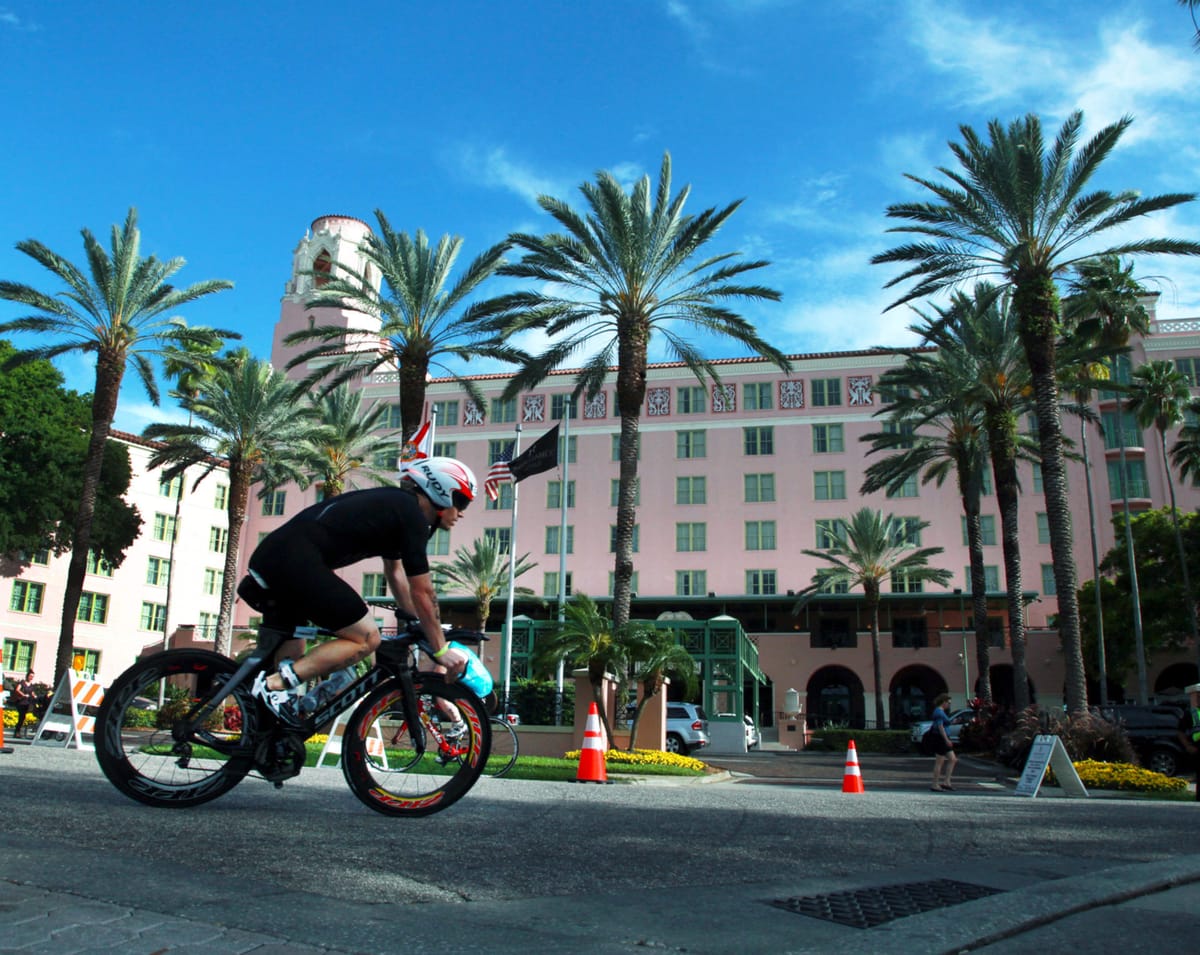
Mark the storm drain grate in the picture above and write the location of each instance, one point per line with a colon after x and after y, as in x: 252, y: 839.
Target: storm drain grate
x: 865, y: 908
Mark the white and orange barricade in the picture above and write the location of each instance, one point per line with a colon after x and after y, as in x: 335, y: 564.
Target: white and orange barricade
x: 333, y: 745
x: 71, y: 713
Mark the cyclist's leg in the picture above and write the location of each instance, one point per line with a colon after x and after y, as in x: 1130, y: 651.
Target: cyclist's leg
x: 353, y: 643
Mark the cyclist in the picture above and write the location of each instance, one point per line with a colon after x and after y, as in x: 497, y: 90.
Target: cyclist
x: 291, y: 575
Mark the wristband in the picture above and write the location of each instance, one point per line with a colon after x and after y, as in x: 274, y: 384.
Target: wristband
x: 442, y: 652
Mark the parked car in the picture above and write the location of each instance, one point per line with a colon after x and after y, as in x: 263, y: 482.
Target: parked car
x: 687, y: 728
x: 1153, y: 732
x: 958, y: 720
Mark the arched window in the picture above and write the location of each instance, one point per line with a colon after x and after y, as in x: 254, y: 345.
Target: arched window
x: 322, y: 270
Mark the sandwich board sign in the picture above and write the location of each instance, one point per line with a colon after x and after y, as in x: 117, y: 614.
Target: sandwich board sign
x: 1049, y: 751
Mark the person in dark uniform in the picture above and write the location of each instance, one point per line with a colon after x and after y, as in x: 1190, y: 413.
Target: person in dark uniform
x: 1189, y: 730
x: 294, y: 567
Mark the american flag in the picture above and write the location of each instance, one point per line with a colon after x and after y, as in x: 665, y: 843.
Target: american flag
x: 499, y: 472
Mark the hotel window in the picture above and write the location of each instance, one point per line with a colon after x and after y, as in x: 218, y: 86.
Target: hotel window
x: 171, y: 488
x: 760, y: 583
x: 445, y: 449
x: 1049, y: 587
x: 1190, y: 369
x: 18, y: 655
x: 550, y: 584
x: 221, y: 497
x: 690, y: 536
x: 905, y: 583
x: 218, y: 539
x: 213, y: 579
x: 158, y: 571
x: 826, y: 392
x: 910, y: 633
x: 27, y: 596
x: 154, y: 617
x: 907, y: 489
x: 987, y: 530
x: 906, y: 532
x: 374, y: 585
x: 504, y: 412
x: 612, y: 537
x: 554, y: 535
x: 206, y: 626
x: 904, y: 430
x: 756, y: 396
x: 1038, y: 487
x: 503, y: 500
x: 164, y: 527
x: 689, y: 400
x: 98, y: 566
x: 691, y: 490
x: 1136, y: 484
x: 439, y: 543
x: 760, y: 488
x: 690, y: 444
x: 759, y: 441
x: 501, y: 538
x: 691, y: 583
x: 828, y: 583
x: 93, y: 608
x: 760, y: 535
x: 554, y: 494
x: 86, y: 662
x: 828, y: 439
x: 447, y: 413
x: 829, y: 533
x: 388, y: 460
x: 614, y: 492
x: 567, y: 448
x: 497, y: 449
x: 391, y: 418
x: 273, y: 503
x: 1043, y: 528
x: 829, y: 485
x: 612, y: 583
x: 991, y: 578
x: 563, y: 406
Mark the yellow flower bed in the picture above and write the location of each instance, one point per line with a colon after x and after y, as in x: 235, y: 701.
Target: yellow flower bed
x: 1125, y: 776
x: 645, y: 757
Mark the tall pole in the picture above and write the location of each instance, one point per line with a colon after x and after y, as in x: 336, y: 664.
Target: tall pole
x: 1087, y: 474
x: 506, y: 636
x: 962, y: 632
x: 562, y: 557
x: 1138, y: 643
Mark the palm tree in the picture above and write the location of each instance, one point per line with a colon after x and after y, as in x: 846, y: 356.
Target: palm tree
x: 1185, y: 455
x: 1157, y: 397
x: 1019, y: 211
x: 869, y: 549
x: 1104, y: 305
x: 933, y: 432
x: 422, y: 317
x: 118, y: 314
x: 657, y: 656
x: 350, y: 442
x: 619, y: 274
x: 586, y: 637
x: 482, y: 571
x: 251, y: 424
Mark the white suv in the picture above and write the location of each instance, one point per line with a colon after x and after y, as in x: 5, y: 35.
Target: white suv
x: 687, y: 728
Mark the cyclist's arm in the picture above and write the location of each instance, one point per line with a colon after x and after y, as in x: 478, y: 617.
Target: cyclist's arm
x: 416, y: 594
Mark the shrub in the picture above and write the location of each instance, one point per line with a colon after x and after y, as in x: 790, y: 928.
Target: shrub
x: 865, y: 741
x: 986, y: 733
x: 1084, y: 736
x: 534, y: 700
x: 1123, y: 776
x: 140, y: 719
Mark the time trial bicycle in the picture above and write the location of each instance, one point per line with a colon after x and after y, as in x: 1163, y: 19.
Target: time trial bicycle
x: 214, y: 732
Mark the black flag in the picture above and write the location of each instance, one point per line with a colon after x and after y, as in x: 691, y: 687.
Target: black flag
x: 540, y: 456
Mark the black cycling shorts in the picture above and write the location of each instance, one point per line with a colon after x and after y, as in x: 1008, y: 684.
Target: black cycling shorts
x: 301, y: 588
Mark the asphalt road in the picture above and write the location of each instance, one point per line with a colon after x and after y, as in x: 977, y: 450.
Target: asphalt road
x: 523, y: 866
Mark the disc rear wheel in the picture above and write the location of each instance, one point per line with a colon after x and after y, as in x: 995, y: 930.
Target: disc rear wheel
x: 138, y: 745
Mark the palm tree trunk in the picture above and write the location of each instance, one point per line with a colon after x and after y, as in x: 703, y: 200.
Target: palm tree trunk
x: 109, y: 372
x: 239, y: 495
x: 1102, y: 657
x: 872, y: 595
x: 1036, y: 302
x: 412, y: 397
x: 1004, y: 470
x: 631, y: 392
x: 983, y: 661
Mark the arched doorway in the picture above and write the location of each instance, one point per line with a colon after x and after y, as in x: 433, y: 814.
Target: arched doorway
x: 835, y: 698
x: 1002, y: 686
x: 912, y: 694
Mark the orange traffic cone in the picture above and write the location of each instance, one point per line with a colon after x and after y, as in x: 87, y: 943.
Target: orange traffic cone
x: 591, y: 757
x: 852, y: 781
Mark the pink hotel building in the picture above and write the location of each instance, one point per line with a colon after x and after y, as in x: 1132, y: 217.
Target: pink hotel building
x: 736, y: 480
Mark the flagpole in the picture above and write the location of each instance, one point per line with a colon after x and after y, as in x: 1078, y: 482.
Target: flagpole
x: 506, y: 636
x: 432, y: 426
x: 562, y: 557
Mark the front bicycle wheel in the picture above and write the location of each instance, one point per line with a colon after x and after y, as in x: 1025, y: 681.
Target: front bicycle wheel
x: 148, y: 763
x: 505, y: 748
x: 402, y: 769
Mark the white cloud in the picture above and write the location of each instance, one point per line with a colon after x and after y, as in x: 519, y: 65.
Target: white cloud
x: 492, y: 166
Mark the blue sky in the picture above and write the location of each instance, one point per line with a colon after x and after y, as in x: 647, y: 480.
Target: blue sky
x: 231, y: 126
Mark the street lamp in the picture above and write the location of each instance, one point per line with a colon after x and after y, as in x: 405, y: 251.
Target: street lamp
x: 962, y: 630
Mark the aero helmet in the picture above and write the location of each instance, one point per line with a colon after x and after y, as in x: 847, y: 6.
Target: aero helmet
x: 445, y: 481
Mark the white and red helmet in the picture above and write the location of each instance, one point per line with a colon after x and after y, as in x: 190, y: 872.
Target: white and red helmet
x: 447, y: 482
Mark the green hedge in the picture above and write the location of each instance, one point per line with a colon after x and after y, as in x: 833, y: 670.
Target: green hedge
x: 865, y: 741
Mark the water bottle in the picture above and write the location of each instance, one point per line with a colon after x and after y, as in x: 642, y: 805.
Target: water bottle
x: 326, y: 690
x: 475, y: 675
